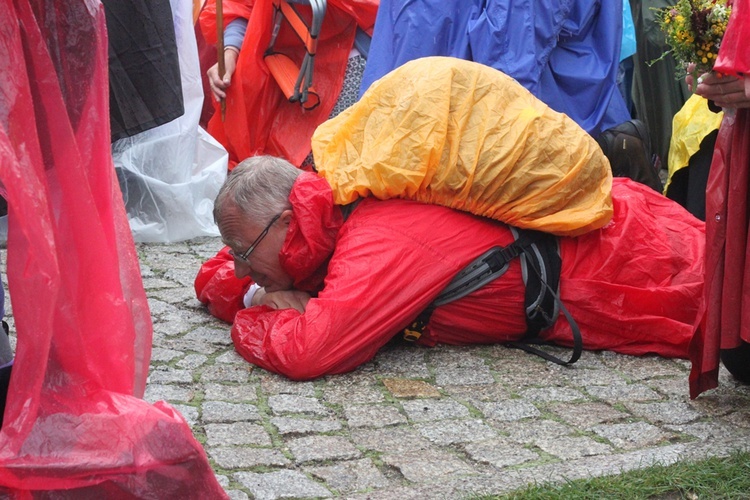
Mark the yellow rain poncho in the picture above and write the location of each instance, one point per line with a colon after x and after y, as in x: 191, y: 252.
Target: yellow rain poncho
x: 460, y: 134
x: 690, y: 126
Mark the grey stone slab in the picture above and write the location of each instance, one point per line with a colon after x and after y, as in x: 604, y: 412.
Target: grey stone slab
x: 288, y: 425
x: 233, y: 393
x: 203, y: 340
x: 466, y: 356
x: 425, y: 410
x: 631, y: 435
x: 160, y: 308
x: 221, y: 411
x: 427, y: 465
x: 168, y: 375
x: 389, y: 440
x: 280, y: 484
x: 236, y: 457
x: 533, y: 430
x: 175, y: 295
x: 289, y: 403
x: 164, y: 355
x: 226, y: 373
x: 237, y: 495
x: 230, y: 357
x: 622, y: 393
x: 236, y: 434
x: 713, y: 430
x: 584, y: 415
x: 152, y: 283
x: 185, y: 277
x: 740, y: 418
x: 641, y: 368
x: 175, y: 324
x: 192, y: 361
x: 372, y: 416
x: 527, y: 371
x: 350, y: 476
x: 583, y: 377
x: 405, y: 362
x: 499, y: 453
x: 509, y: 410
x: 146, y: 271
x: 464, y: 375
x: 475, y: 394
x: 316, y: 448
x: 547, y: 394
x: 445, y: 432
x: 189, y: 413
x: 209, y: 335
x: 674, y: 387
x: 570, y: 447
x: 340, y: 392
x: 273, y: 384
x: 168, y: 392
x: 719, y: 402
x: 418, y: 492
x: 669, y: 412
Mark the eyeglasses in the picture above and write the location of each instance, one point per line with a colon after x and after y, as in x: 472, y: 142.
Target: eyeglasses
x: 244, y: 255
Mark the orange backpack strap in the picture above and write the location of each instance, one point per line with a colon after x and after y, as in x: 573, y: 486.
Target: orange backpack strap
x: 296, y: 82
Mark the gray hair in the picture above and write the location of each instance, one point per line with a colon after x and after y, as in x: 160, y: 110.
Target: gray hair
x: 259, y: 186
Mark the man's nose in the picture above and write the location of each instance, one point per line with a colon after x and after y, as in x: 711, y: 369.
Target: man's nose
x: 242, y: 269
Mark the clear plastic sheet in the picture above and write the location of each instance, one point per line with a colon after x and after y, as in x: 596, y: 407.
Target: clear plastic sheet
x: 170, y: 175
x: 75, y: 426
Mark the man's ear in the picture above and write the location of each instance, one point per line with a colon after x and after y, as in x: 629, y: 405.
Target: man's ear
x: 286, y: 217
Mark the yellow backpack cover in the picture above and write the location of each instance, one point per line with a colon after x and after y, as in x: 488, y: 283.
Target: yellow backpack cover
x: 460, y: 134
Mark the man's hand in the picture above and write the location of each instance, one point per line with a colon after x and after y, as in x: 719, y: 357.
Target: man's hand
x: 284, y: 299
x: 726, y: 91
x: 218, y: 85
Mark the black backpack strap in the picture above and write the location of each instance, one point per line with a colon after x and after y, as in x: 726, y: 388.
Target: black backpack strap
x: 540, y: 267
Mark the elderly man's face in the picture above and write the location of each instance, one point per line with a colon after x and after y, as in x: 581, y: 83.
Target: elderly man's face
x: 262, y: 264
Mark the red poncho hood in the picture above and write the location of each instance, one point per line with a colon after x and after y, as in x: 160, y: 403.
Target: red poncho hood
x: 312, y: 234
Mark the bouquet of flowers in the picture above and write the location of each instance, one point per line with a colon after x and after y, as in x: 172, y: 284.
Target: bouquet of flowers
x: 694, y: 29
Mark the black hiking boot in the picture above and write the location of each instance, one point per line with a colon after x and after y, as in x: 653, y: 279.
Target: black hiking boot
x: 628, y: 148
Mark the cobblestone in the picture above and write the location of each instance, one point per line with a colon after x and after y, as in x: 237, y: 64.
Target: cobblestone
x: 414, y: 423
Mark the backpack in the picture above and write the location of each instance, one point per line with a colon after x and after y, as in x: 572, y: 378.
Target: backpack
x: 628, y: 149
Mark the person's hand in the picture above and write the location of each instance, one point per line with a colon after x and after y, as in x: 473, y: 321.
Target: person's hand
x: 219, y: 86
x: 725, y: 90
x: 283, y: 299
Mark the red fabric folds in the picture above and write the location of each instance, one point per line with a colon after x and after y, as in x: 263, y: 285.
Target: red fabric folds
x: 74, y: 420
x: 259, y: 119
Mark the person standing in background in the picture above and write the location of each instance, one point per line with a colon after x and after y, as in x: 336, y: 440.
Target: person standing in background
x: 723, y: 329
x: 657, y: 94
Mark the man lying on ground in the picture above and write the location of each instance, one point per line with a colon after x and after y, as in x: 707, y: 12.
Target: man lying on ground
x: 334, y: 290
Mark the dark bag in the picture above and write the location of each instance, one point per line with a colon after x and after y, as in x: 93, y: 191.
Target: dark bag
x: 628, y: 149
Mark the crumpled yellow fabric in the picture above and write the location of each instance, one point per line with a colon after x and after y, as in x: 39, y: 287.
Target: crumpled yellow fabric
x: 690, y: 125
x: 460, y: 134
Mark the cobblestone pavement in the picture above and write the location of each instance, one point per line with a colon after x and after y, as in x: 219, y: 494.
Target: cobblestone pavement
x: 420, y: 423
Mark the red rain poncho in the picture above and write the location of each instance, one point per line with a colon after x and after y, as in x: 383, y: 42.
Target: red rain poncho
x: 632, y: 286
x: 74, y: 419
x: 259, y: 119
x: 724, y: 321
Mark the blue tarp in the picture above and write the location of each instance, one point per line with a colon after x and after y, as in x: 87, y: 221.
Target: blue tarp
x: 566, y: 52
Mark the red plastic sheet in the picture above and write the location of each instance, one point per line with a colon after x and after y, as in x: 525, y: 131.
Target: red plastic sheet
x: 74, y: 420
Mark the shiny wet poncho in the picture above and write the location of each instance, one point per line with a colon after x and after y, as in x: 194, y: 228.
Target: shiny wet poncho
x: 463, y: 135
